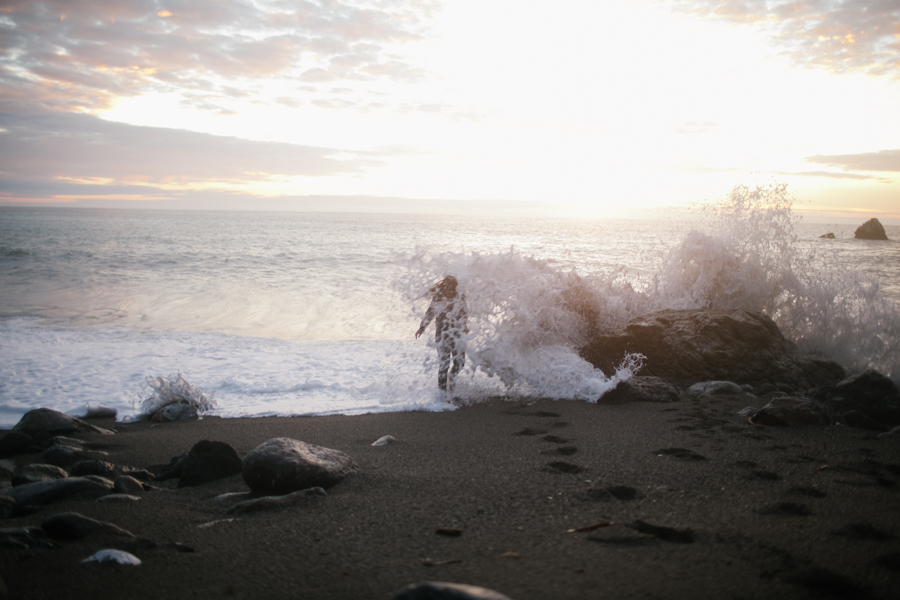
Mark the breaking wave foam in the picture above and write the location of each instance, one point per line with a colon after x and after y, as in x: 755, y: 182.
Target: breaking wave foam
x: 528, y: 318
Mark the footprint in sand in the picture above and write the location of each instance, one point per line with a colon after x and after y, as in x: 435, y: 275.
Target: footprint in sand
x: 561, y: 451
x: 555, y: 439
x: 809, y: 492
x: 786, y: 509
x: 680, y: 453
x: 614, y: 492
x: 864, y: 532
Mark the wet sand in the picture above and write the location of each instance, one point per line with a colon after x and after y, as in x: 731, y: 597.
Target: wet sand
x: 683, y: 500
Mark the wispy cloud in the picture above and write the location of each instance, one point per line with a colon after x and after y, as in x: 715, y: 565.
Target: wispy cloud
x: 881, y: 161
x: 840, y: 35
x: 82, y: 54
x: 63, y: 153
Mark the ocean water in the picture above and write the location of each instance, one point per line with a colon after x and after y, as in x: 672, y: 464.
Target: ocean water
x: 304, y: 313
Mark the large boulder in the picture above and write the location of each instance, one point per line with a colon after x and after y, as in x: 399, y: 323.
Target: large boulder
x: 689, y: 346
x: 44, y: 423
x: 869, y: 394
x: 870, y: 230
x: 284, y: 465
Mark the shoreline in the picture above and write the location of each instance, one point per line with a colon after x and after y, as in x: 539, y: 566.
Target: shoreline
x: 698, y: 502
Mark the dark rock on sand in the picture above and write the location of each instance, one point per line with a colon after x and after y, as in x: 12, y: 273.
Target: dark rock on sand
x: 870, y: 230
x: 713, y: 388
x: 440, y: 590
x: 689, y: 346
x: 869, y: 393
x: 790, y: 411
x: 74, y: 526
x: 125, y: 484
x: 108, y: 470
x: 43, y: 423
x: 208, y: 461
x: 14, y: 442
x: 45, y: 492
x: 283, y: 465
x: 174, y: 468
x: 642, y: 389
x: 7, y: 507
x: 25, y: 537
x: 273, y: 502
x: 66, y: 452
x: 37, y: 472
x: 175, y: 411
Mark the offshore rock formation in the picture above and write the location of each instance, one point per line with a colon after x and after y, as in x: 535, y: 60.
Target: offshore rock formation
x: 685, y: 347
x: 870, y: 230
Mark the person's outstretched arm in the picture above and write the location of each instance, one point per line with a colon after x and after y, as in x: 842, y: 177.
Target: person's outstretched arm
x: 429, y: 315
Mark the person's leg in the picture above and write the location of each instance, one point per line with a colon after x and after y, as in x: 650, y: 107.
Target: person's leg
x: 459, y: 361
x: 444, y: 355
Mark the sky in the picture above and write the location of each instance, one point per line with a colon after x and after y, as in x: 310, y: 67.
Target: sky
x: 591, y: 108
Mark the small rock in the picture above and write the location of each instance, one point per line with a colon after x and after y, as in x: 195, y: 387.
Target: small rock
x: 895, y: 432
x: 176, y: 411
x: 174, y: 468
x: 108, y: 470
x: 125, y: 484
x: 25, y: 537
x: 712, y: 388
x: 642, y: 389
x: 74, y: 526
x: 441, y: 590
x: 231, y: 496
x: 37, y: 472
x: 118, y: 556
x: 283, y: 465
x: 117, y: 498
x: 64, y: 454
x: 748, y: 411
x: 7, y: 507
x: 384, y: 440
x: 45, y: 492
x: 272, y: 502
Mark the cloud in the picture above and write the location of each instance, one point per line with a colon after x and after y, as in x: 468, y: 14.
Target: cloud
x: 694, y: 127
x: 83, y: 54
x: 881, y: 161
x: 64, y: 154
x: 843, y: 36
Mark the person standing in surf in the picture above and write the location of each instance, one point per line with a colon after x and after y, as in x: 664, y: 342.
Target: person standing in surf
x: 450, y: 314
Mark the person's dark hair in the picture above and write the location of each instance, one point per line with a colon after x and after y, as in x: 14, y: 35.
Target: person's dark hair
x: 445, y: 288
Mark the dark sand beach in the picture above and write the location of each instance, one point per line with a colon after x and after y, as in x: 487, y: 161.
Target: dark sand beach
x: 691, y: 500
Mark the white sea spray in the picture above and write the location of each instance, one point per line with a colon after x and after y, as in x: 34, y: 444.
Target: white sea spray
x: 174, y: 389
